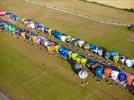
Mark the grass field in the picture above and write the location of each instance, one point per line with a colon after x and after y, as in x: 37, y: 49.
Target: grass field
x: 23, y: 76
x: 117, y: 3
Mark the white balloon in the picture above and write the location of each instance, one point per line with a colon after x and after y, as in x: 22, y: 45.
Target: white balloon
x: 114, y: 74
x: 83, y: 74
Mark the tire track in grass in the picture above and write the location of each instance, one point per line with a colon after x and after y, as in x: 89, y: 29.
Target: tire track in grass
x: 104, y: 21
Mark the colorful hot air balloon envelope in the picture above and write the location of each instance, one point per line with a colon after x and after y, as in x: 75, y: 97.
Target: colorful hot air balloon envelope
x: 107, y: 72
x: 99, y: 71
x: 121, y: 76
x: 130, y: 78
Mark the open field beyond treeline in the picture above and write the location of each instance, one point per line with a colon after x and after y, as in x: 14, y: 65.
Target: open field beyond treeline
x: 30, y: 73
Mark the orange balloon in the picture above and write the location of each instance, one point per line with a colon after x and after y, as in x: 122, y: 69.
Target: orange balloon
x: 130, y: 78
x: 107, y: 71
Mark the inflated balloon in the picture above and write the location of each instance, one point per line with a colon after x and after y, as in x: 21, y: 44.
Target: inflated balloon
x: 63, y: 38
x: 68, y: 38
x: 86, y: 46
x: 83, y: 61
x: 50, y: 31
x: 74, y: 55
x: 122, y: 59
x: 99, y: 71
x: 130, y: 78
x: 77, y: 66
x: 107, y: 72
x: 130, y: 62
x: 121, y: 76
x: 116, y: 58
x: 100, y: 51
x: 90, y: 62
x: 83, y: 74
x: 114, y: 74
x: 81, y: 43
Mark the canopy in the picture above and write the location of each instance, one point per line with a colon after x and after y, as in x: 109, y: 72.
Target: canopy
x: 83, y: 74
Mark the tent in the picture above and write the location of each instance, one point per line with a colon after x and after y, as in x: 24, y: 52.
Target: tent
x: 56, y: 47
x: 83, y: 74
x: 2, y: 12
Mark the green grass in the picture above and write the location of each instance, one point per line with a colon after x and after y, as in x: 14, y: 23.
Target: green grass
x: 22, y: 77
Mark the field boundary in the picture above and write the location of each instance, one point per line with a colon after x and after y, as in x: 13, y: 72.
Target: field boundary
x: 104, y: 21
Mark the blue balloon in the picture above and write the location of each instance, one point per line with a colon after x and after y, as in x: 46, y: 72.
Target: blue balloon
x: 99, y: 71
x: 121, y: 76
